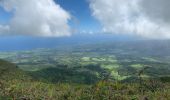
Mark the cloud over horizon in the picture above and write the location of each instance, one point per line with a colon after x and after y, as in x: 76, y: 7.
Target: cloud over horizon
x: 36, y: 17
x: 146, y: 18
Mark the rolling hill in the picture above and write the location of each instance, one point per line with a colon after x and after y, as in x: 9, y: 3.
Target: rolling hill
x: 10, y: 71
x: 16, y: 84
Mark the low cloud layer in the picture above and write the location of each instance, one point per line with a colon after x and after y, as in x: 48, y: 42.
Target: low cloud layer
x: 36, y: 17
x: 146, y: 18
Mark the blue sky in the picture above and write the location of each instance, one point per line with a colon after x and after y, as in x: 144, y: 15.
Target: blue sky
x: 4, y: 16
x: 82, y: 20
x: 54, y: 19
x: 81, y: 12
x: 58, y: 18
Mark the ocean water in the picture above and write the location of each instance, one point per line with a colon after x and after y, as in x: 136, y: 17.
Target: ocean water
x: 13, y: 43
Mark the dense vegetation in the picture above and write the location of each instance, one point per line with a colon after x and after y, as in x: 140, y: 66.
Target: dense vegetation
x: 124, y: 71
x: 29, y: 89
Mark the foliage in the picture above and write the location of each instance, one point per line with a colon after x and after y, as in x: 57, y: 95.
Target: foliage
x: 91, y: 72
x: 17, y: 85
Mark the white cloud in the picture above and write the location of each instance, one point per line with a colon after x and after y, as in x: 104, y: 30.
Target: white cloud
x: 156, y: 10
x: 4, y: 29
x: 147, y: 18
x: 36, y: 17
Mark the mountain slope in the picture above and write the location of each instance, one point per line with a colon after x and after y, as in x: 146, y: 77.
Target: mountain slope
x: 9, y: 72
x: 15, y: 84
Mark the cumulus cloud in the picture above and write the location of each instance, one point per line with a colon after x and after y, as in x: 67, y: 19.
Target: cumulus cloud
x: 36, y: 17
x: 147, y: 18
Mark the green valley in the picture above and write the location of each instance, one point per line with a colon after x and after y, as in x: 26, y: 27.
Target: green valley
x: 93, y: 72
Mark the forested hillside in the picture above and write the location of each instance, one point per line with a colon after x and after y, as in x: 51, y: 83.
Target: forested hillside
x: 16, y: 84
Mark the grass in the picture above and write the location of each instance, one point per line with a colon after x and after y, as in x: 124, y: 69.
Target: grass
x: 110, y: 67
x: 85, y: 59
x: 103, y: 90
x: 137, y: 66
x: 16, y: 85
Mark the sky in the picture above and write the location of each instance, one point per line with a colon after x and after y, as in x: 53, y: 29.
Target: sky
x: 58, y: 18
x: 83, y: 21
x: 148, y: 19
x: 72, y: 16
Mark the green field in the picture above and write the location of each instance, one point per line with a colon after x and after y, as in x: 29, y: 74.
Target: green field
x: 90, y: 72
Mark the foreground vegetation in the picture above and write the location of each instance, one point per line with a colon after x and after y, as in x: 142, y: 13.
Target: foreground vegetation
x: 103, y: 90
x: 135, y: 71
x: 17, y: 85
